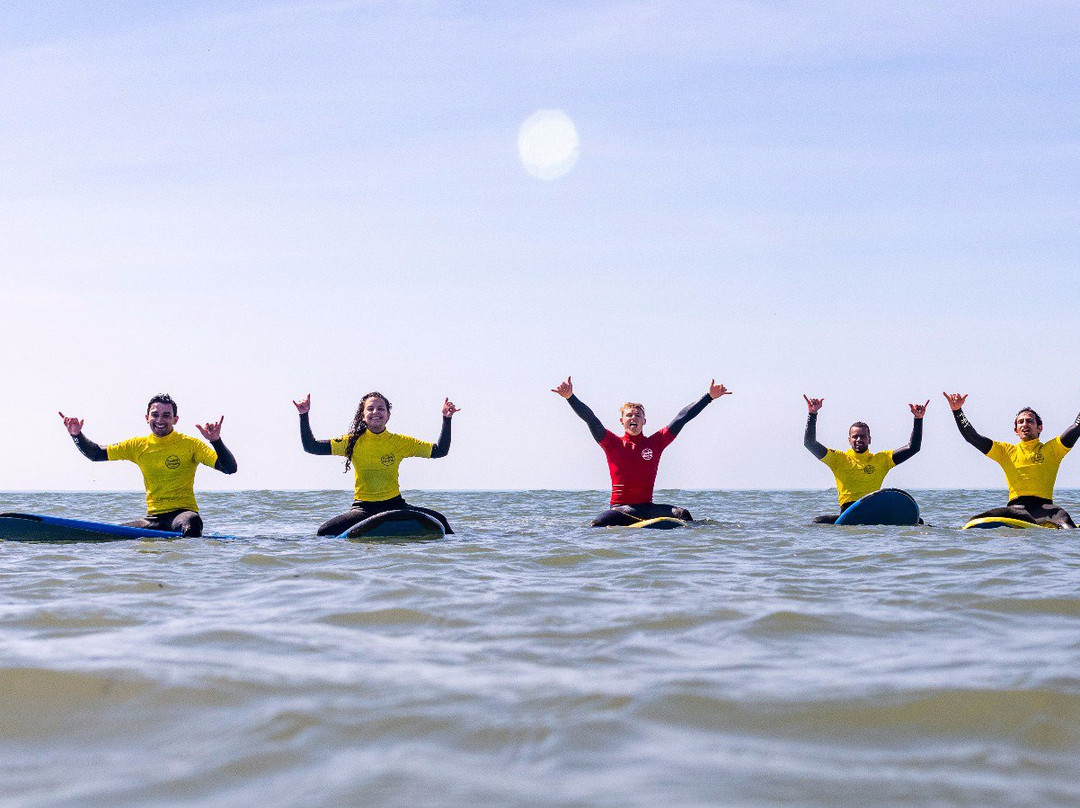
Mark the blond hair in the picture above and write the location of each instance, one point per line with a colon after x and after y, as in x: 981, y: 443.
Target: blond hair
x: 631, y: 405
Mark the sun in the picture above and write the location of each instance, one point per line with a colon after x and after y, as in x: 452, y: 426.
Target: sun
x: 548, y: 144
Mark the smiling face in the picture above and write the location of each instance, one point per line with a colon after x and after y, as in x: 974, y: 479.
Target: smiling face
x: 1028, y: 425
x: 859, y: 437
x: 632, y: 419
x: 376, y: 413
x: 161, y: 418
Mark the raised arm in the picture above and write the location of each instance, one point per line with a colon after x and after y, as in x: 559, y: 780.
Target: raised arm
x: 956, y: 404
x: 566, y: 390
x: 88, y: 448
x: 913, y: 445
x: 690, y: 412
x: 1072, y: 434
x: 307, y: 438
x: 442, y: 445
x: 810, y: 440
x: 226, y: 463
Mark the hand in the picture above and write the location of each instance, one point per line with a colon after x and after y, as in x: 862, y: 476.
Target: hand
x: 73, y: 425
x: 813, y: 404
x: 303, y: 405
x: 919, y: 410
x: 565, y: 389
x: 956, y: 401
x: 448, y: 409
x: 717, y: 390
x: 211, y: 431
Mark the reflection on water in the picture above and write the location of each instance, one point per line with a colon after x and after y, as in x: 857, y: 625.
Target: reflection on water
x: 752, y: 659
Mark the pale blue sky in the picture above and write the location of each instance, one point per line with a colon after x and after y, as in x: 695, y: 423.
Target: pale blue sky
x: 242, y: 202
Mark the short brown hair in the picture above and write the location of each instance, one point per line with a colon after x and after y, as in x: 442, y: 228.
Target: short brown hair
x: 163, y: 398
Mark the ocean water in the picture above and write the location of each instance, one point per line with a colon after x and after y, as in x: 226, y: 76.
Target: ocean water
x: 753, y: 659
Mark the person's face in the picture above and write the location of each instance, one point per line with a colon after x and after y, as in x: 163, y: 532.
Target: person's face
x: 161, y: 419
x: 1027, y: 428
x: 375, y: 414
x: 859, y: 438
x: 633, y: 420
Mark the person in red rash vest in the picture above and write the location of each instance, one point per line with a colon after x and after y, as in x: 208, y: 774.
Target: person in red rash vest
x: 634, y: 458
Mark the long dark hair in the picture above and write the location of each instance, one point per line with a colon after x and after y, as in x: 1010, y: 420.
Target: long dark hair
x: 358, y: 427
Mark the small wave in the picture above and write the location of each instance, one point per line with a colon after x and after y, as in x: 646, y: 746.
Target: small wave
x: 781, y: 623
x: 263, y: 560
x: 389, y: 617
x: 1069, y: 607
x: 1041, y: 718
x: 36, y: 702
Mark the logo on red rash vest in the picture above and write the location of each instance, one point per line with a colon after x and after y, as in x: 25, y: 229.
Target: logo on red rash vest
x: 646, y: 454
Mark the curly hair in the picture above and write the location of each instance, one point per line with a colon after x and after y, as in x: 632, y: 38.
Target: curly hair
x: 358, y: 427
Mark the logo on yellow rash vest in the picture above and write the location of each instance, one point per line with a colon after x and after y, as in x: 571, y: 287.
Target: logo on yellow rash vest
x: 868, y: 470
x: 172, y: 462
x: 387, y: 460
x: 1037, y: 457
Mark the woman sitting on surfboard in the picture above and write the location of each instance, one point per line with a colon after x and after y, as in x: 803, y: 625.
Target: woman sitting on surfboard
x: 858, y: 471
x: 374, y: 455
x: 634, y: 458
x: 1030, y: 466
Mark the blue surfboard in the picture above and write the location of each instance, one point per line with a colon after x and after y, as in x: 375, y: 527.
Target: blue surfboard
x: 889, y: 506
x: 404, y: 523
x: 31, y: 527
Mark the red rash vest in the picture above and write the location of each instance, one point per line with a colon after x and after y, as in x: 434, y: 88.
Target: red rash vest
x: 633, y: 463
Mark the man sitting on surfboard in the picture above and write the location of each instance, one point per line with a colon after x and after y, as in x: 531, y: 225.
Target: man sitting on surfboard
x: 168, y: 461
x: 1030, y: 466
x: 858, y: 471
x: 634, y: 458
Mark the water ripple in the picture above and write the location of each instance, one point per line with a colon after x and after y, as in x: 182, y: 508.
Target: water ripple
x: 754, y: 659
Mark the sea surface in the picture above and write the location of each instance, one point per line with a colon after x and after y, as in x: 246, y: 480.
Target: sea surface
x: 753, y: 659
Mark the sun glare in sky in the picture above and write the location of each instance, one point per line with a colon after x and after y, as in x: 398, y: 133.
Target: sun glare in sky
x: 548, y: 144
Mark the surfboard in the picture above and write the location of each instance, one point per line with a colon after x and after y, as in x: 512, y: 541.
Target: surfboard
x: 31, y: 527
x: 660, y: 523
x: 399, y: 524
x: 990, y: 522
x: 889, y: 506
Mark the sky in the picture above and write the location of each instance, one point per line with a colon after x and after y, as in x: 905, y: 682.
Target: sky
x: 241, y: 203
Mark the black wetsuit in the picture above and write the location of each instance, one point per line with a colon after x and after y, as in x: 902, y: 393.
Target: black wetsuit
x: 360, y: 509
x: 185, y: 522
x: 1024, y: 508
x: 622, y: 514
x: 819, y: 451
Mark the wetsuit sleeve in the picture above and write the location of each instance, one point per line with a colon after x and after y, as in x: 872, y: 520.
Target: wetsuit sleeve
x: 810, y: 440
x: 441, y: 448
x: 913, y: 445
x: 980, y: 442
x: 687, y: 414
x: 312, y: 446
x: 89, y: 448
x: 588, y: 416
x: 226, y: 463
x: 1072, y: 434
